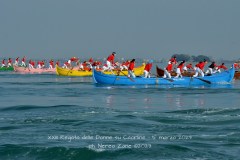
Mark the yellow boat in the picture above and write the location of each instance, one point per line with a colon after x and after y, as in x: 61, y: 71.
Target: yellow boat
x: 72, y: 72
x: 81, y: 73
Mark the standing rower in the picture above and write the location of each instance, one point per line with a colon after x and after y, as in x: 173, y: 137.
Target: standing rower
x: 222, y: 66
x: 147, y: 69
x: 168, y: 70
x: 3, y: 63
x: 23, y: 61
x: 110, y: 61
x: 199, y: 68
x: 211, y: 68
x: 9, y: 63
x: 16, y: 61
x: 130, y: 68
x: 180, y: 69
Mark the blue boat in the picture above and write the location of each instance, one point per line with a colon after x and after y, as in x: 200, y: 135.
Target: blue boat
x: 218, y: 78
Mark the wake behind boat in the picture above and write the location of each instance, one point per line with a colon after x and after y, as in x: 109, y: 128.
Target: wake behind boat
x: 34, y: 70
x: 223, y: 77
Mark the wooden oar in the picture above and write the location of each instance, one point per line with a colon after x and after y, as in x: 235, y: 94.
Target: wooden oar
x: 206, y: 81
x: 171, y: 80
x: 69, y: 70
x: 127, y: 76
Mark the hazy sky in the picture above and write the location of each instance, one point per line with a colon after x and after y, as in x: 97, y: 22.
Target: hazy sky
x: 132, y: 28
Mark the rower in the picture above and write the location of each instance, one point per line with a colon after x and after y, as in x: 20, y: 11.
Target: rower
x: 51, y: 64
x: 173, y: 60
x: 23, y: 64
x: 110, y: 61
x: 222, y: 66
x: 3, y: 63
x: 147, y: 69
x: 211, y: 68
x: 130, y: 68
x: 199, y: 68
x: 168, y: 70
x: 9, y: 64
x: 180, y: 69
x: 188, y: 67
x: 16, y: 61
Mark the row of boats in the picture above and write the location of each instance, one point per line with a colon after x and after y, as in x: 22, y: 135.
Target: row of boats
x: 118, y: 77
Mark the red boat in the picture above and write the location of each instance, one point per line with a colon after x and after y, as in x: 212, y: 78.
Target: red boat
x: 34, y: 70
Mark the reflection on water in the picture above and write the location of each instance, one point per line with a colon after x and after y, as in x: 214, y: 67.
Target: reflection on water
x: 109, y: 100
x: 199, y: 101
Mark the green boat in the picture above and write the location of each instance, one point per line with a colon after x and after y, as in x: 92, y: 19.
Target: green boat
x: 6, y: 69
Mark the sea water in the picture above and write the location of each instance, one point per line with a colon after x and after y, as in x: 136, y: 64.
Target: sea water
x: 45, y: 116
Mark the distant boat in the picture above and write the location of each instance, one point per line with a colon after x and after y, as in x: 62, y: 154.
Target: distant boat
x: 34, y: 70
x: 223, y: 77
x: 237, y: 75
x: 81, y: 73
x: 6, y: 68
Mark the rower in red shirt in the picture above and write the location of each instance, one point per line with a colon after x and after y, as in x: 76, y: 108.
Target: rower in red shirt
x: 173, y: 60
x: 73, y: 59
x: 96, y: 65
x: 222, y: 66
x: 58, y: 63
x: 168, y: 70
x: 31, y: 64
x: 236, y: 65
x: 42, y: 64
x: 199, y: 68
x: 211, y: 68
x: 51, y: 64
x: 110, y: 61
x: 66, y: 65
x: 124, y: 65
x: 147, y: 69
x: 180, y: 69
x: 188, y: 67
x: 16, y: 61
x: 9, y: 63
x: 130, y: 68
x: 3, y: 63
x: 23, y: 61
x: 39, y: 64
x: 90, y: 60
x: 84, y: 65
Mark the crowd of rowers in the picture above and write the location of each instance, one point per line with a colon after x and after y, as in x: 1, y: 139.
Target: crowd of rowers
x: 198, y: 69
x: 110, y: 64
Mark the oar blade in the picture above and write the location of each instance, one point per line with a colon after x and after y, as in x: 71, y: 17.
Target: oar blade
x: 204, y: 80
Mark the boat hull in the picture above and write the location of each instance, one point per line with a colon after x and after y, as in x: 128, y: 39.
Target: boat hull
x: 237, y: 75
x: 220, y: 78
x: 34, y: 70
x: 6, y: 69
x: 72, y: 72
x: 75, y: 72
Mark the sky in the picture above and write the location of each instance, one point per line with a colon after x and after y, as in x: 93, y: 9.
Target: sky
x: 148, y: 29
